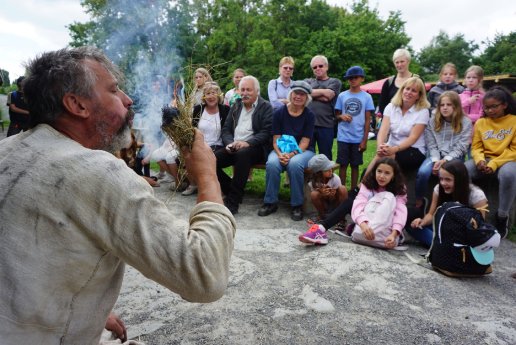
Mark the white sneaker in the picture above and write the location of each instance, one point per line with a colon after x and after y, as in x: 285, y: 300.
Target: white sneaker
x: 168, y: 178
x: 161, y: 175
x: 191, y: 189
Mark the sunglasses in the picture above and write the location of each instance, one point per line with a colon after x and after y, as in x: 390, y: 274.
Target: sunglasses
x: 288, y: 68
x: 317, y: 66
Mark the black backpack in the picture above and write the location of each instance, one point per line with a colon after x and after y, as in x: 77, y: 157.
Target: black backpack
x: 461, y: 235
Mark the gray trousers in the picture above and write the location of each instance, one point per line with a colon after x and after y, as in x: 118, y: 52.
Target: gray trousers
x: 506, y: 180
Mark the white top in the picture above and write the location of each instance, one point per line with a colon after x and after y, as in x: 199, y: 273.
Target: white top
x: 244, y: 128
x: 228, y: 96
x: 334, y: 182
x: 72, y: 217
x: 401, y: 125
x: 209, y: 125
x: 476, y: 194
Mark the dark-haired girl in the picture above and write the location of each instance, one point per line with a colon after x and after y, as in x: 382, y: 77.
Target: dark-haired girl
x: 494, y: 150
x: 453, y: 185
x: 371, y: 227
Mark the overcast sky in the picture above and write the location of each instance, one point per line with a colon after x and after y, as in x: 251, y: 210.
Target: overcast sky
x: 29, y: 27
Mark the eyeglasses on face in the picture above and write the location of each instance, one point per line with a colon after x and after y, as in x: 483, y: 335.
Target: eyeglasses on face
x: 492, y: 107
x: 317, y: 66
x: 288, y: 68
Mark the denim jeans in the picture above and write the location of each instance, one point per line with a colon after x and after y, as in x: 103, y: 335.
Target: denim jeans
x: 296, y: 172
x: 323, y: 137
x: 423, y: 175
x: 423, y: 235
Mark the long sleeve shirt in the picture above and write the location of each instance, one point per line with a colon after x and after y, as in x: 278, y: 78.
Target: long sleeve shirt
x: 445, y: 144
x: 400, y: 212
x: 71, y: 218
x: 494, y: 140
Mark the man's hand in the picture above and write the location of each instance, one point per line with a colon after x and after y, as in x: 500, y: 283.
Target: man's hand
x: 238, y: 145
x: 201, y: 166
x: 117, y: 326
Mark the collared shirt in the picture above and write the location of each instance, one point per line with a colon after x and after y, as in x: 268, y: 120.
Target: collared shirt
x: 244, y: 128
x: 277, y: 90
x: 401, y: 125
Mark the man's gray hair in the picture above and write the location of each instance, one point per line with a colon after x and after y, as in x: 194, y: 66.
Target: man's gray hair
x: 322, y: 57
x: 254, y: 80
x: 53, y: 74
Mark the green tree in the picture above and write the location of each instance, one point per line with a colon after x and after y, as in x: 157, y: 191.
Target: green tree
x: 4, y: 78
x: 251, y: 34
x: 443, y: 49
x: 499, y: 57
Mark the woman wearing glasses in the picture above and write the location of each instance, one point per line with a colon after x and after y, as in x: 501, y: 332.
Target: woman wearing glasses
x: 493, y: 150
x: 279, y: 88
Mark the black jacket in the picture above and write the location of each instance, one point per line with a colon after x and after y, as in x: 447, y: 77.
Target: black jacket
x: 261, y: 121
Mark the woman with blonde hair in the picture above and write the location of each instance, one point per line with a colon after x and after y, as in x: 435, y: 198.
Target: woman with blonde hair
x: 279, y: 88
x: 232, y: 95
x: 404, y: 121
x: 401, y: 59
x: 201, y: 76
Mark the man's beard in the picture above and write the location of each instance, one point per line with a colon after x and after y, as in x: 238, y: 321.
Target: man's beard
x: 120, y: 140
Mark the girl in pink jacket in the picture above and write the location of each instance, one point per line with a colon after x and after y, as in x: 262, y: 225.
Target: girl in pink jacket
x: 379, y: 210
x: 471, y: 98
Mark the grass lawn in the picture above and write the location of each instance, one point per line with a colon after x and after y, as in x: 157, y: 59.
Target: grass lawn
x: 257, y: 185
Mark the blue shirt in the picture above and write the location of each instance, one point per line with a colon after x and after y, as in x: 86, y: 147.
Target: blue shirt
x: 354, y: 104
x: 277, y: 90
x: 298, y: 126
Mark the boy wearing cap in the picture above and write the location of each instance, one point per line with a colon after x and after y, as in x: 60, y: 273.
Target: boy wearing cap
x: 353, y: 111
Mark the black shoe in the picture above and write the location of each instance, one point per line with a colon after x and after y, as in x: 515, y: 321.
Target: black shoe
x: 502, y: 225
x: 231, y: 207
x: 267, y: 209
x: 296, y: 213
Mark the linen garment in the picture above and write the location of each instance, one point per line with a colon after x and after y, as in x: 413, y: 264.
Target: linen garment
x: 70, y: 218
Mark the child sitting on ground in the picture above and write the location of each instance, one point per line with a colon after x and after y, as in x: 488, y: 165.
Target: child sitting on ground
x: 454, y: 185
x: 379, y: 210
x: 327, y: 190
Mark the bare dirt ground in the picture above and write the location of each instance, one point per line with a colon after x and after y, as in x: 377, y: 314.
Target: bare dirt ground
x: 283, y: 292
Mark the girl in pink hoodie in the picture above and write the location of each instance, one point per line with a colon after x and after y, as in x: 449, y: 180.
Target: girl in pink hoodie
x: 471, y: 98
x: 379, y: 210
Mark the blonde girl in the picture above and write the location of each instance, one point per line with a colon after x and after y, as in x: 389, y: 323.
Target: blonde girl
x: 447, y: 137
x: 472, y: 97
x: 447, y: 82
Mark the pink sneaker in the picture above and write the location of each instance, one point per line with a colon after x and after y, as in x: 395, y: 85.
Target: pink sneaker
x: 315, y: 234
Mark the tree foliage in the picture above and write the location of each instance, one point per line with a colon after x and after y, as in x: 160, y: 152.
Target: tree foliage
x: 250, y: 34
x: 443, y: 49
x: 499, y: 57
